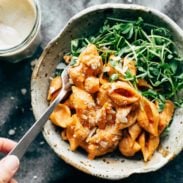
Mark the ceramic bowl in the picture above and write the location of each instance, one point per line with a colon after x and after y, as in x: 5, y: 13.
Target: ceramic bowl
x: 87, y: 22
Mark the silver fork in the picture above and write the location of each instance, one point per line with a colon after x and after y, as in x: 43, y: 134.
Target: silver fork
x: 31, y: 134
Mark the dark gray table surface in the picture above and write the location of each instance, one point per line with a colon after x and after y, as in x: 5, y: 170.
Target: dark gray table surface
x: 40, y: 164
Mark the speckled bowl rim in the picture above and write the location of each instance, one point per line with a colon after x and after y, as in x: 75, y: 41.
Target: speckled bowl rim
x: 82, y: 167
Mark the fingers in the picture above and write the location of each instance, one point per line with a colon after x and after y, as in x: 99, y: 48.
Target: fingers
x: 8, y: 167
x: 6, y: 145
x: 13, y: 181
x: 10, y: 164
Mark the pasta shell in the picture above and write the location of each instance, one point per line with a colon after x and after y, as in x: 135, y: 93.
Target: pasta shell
x: 143, y: 84
x: 127, y: 146
x: 55, y: 85
x: 148, y: 116
x: 77, y: 76
x: 90, y: 58
x: 123, y: 94
x: 61, y: 115
x: 134, y: 131
x: 125, y: 116
x: 102, y: 95
x: 82, y: 99
x: 166, y: 116
x: 76, y: 133
x: 103, y: 141
x: 148, y: 145
x: 108, y: 70
x: 91, y: 84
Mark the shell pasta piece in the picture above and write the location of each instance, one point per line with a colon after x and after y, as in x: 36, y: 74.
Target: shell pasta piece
x: 103, y: 141
x: 166, y: 115
x: 76, y: 133
x: 126, y: 116
x: 55, y: 85
x: 123, y: 94
x: 91, y: 84
x: 102, y: 95
x: 148, y: 116
x: 128, y: 146
x: 82, y: 99
x: 91, y: 59
x: 77, y: 76
x: 148, y: 144
x: 134, y: 131
x: 61, y: 115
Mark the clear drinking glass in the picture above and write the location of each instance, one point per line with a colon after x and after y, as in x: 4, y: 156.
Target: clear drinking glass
x: 28, y: 46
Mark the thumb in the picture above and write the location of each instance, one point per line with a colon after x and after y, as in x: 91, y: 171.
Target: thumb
x: 8, y: 167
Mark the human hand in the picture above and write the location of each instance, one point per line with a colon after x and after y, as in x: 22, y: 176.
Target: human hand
x: 9, y: 164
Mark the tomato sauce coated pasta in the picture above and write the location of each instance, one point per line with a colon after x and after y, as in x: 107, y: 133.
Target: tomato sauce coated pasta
x: 102, y: 115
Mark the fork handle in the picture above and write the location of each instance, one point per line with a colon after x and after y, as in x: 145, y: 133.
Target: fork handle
x: 31, y: 134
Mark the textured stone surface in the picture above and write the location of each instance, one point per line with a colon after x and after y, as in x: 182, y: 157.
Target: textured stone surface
x: 40, y: 164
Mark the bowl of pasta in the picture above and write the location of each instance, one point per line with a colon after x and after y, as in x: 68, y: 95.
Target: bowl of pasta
x: 123, y: 114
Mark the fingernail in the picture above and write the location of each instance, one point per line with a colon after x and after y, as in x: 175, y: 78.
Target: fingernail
x: 12, y: 163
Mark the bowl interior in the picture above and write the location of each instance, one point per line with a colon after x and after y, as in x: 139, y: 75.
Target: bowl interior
x: 87, y: 22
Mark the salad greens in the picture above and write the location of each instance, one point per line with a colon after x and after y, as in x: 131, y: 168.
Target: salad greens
x: 150, y: 47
